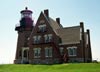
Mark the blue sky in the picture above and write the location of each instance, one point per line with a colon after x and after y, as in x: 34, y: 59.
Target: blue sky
x: 71, y: 13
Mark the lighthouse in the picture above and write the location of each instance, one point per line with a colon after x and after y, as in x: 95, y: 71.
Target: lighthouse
x: 24, y: 30
x: 48, y: 42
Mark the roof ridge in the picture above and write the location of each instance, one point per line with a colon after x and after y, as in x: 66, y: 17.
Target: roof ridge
x: 71, y: 27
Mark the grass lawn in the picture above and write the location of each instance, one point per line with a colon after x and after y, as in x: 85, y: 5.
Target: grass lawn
x: 75, y: 67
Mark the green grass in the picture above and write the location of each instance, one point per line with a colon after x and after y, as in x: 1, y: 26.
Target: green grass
x: 77, y: 67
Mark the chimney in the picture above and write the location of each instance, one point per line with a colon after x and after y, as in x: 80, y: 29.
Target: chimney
x: 83, y: 41
x: 89, y: 45
x: 82, y: 24
x: 46, y: 12
x: 58, y: 20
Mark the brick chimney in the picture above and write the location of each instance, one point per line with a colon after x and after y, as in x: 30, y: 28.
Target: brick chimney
x: 89, y: 45
x: 82, y: 24
x: 46, y: 12
x: 58, y: 20
x: 83, y: 40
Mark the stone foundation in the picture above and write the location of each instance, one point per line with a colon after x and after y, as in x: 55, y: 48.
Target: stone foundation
x: 45, y: 61
x: 18, y: 61
x: 79, y: 60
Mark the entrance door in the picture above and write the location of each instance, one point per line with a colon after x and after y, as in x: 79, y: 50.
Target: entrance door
x: 25, y: 56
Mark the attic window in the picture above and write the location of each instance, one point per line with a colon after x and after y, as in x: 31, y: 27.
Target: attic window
x: 42, y: 28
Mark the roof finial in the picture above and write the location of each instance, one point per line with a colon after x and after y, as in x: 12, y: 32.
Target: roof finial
x: 26, y: 8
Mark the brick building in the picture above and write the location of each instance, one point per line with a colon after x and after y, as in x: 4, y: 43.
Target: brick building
x: 48, y: 42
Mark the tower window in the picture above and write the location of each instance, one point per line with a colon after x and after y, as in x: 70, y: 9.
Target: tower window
x: 72, y: 51
x: 26, y: 14
x: 37, y: 52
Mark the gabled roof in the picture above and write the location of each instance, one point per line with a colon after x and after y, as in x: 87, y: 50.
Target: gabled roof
x: 54, y: 25
x: 69, y: 35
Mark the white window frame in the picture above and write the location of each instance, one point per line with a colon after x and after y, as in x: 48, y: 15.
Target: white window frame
x: 48, y: 38
x: 38, y: 50
x: 74, y: 50
x: 61, y: 50
x: 48, y: 52
x: 42, y: 28
x: 36, y: 39
x: 26, y: 15
x: 23, y: 49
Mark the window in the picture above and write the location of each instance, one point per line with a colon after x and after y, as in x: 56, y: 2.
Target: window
x: 42, y: 28
x: 26, y: 15
x: 61, y: 50
x: 37, y: 52
x: 37, y: 39
x: 72, y: 51
x: 48, y: 38
x: 48, y: 52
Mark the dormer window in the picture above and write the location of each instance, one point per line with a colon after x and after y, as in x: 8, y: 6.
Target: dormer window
x: 42, y: 28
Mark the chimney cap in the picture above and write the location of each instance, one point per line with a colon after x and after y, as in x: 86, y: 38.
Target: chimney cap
x: 81, y: 22
x: 58, y: 20
x: 46, y: 12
